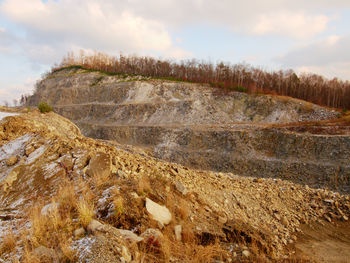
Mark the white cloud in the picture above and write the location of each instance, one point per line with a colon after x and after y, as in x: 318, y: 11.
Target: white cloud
x: 53, y: 28
x: 333, y: 49
x: 297, y: 25
x: 332, y: 70
x: 278, y: 17
x: 13, y: 92
x: 329, y: 57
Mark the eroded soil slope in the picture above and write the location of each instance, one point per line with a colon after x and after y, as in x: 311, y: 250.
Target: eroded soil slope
x: 68, y: 198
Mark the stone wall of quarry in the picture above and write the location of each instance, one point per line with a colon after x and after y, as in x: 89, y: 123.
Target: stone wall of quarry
x: 201, y: 127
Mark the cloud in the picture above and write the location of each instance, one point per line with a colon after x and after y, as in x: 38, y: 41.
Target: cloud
x: 296, y: 19
x: 7, y: 41
x: 333, y: 49
x: 330, y: 57
x: 297, y: 25
x: 332, y: 70
x: 53, y: 28
x: 15, y: 91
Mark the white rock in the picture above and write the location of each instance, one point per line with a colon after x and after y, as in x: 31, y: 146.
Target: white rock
x: 246, y: 253
x: 130, y: 236
x: 158, y: 212
x: 79, y: 232
x: 180, y: 187
x: 178, y: 232
x: 94, y: 226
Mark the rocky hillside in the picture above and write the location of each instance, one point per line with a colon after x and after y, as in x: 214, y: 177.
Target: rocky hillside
x: 194, y: 125
x: 68, y: 198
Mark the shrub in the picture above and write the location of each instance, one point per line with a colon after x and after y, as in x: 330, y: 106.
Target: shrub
x: 44, y: 107
x: 241, y: 89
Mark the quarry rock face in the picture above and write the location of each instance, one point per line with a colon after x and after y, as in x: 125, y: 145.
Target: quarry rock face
x: 205, y: 128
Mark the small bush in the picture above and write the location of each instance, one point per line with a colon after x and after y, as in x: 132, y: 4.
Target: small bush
x: 241, y: 89
x: 44, y: 107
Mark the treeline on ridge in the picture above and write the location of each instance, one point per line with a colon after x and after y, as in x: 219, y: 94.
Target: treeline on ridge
x: 240, y: 77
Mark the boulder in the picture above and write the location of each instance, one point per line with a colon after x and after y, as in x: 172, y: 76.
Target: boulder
x: 158, y: 212
x: 12, y: 161
x: 79, y: 232
x: 94, y: 226
x: 245, y: 253
x: 100, y: 165
x: 129, y: 236
x: 180, y: 187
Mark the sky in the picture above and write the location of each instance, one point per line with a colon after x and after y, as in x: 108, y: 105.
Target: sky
x: 306, y: 36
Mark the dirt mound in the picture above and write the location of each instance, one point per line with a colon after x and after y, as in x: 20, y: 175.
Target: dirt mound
x: 56, y: 206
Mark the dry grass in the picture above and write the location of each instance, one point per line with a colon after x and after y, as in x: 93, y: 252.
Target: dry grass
x: 66, y: 197
x: 51, y: 228
x: 85, y: 210
x: 67, y: 251
x: 143, y: 185
x: 100, y: 180
x: 38, y: 228
x: 119, y: 207
x: 8, y: 242
x: 185, y: 252
x: 182, y: 209
x: 28, y: 257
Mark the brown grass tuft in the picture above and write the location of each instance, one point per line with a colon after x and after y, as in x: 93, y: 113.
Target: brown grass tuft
x: 143, y: 186
x: 119, y: 207
x: 85, y: 212
x: 66, y: 197
x: 8, y: 242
